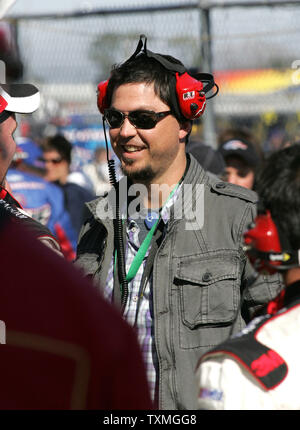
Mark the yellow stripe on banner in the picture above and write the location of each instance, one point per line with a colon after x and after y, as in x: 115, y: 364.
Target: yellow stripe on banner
x: 254, y: 81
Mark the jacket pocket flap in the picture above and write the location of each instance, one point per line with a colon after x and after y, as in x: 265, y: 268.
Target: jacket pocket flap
x: 207, y: 270
x: 208, y: 288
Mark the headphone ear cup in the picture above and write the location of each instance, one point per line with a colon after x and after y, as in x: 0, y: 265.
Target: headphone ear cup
x: 263, y: 233
x: 101, y: 96
x: 263, y: 236
x: 191, y: 97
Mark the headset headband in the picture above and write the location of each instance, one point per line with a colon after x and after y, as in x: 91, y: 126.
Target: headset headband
x: 142, y: 48
x: 189, y: 98
x: 172, y: 67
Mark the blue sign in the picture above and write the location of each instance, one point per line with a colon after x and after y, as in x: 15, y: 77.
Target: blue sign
x: 86, y: 134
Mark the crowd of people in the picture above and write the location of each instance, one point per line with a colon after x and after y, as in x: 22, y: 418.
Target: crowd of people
x: 171, y: 294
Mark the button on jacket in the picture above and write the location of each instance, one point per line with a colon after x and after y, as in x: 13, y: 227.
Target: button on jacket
x: 199, y: 272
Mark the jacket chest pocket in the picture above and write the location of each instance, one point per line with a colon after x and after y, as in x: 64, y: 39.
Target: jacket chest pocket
x: 208, y: 289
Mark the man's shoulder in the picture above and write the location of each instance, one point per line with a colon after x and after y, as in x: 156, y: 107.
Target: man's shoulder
x: 93, y: 204
x: 218, y: 186
x: 215, y: 186
x: 92, y: 217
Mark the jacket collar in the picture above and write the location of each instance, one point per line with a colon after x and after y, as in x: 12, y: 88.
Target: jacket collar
x: 194, y: 175
x: 6, y: 196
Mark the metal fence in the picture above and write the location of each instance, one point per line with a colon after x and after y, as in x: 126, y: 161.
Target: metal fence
x: 251, y: 47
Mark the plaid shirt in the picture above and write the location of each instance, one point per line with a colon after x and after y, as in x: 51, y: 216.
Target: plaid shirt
x: 144, y: 324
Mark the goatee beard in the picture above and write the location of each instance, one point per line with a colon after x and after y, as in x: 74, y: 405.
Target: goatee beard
x: 143, y: 175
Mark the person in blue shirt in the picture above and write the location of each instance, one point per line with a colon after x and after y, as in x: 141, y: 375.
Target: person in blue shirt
x: 57, y: 160
x: 42, y: 200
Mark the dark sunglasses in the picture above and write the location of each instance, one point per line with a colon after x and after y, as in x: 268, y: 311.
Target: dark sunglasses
x: 51, y: 160
x: 144, y: 119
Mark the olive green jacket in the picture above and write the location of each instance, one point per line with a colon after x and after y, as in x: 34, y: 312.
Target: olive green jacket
x: 198, y: 274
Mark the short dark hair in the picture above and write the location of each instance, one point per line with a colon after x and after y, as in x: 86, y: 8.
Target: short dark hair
x: 278, y: 187
x: 148, y: 70
x: 60, y: 144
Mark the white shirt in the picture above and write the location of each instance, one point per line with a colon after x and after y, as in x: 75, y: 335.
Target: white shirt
x: 224, y: 383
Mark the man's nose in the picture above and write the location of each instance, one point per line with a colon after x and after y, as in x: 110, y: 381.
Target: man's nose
x: 127, y: 129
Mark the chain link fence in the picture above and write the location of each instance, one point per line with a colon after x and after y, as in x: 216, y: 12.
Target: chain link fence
x: 253, y: 48
x: 255, y: 52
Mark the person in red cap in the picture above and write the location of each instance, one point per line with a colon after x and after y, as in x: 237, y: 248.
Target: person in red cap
x: 14, y: 98
x: 65, y: 347
x: 18, y: 98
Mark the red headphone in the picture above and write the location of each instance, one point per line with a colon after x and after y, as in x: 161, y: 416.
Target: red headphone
x: 191, y: 94
x: 101, y: 96
x: 264, y: 248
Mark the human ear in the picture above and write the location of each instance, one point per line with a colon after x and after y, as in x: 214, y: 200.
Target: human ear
x: 184, y: 130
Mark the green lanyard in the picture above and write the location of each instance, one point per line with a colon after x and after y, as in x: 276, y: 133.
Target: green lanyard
x: 138, y: 259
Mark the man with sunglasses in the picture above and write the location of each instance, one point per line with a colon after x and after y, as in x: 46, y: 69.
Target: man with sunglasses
x: 182, y: 279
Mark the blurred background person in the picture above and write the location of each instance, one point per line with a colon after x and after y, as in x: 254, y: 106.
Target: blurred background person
x: 276, y: 139
x: 42, y: 200
x: 242, y: 158
x: 211, y: 160
x: 97, y: 171
x: 9, y: 49
x: 56, y: 156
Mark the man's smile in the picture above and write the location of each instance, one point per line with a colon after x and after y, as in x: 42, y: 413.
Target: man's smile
x: 132, y: 148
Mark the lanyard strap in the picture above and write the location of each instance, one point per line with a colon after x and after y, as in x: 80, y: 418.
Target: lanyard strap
x: 157, y: 239
x: 139, y: 257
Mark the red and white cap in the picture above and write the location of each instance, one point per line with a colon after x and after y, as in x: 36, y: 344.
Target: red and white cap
x: 19, y: 98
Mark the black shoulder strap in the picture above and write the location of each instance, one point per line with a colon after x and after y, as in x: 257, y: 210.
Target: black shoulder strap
x: 265, y: 364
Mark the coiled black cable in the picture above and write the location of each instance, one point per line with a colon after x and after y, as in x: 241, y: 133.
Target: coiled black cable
x: 118, y: 229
